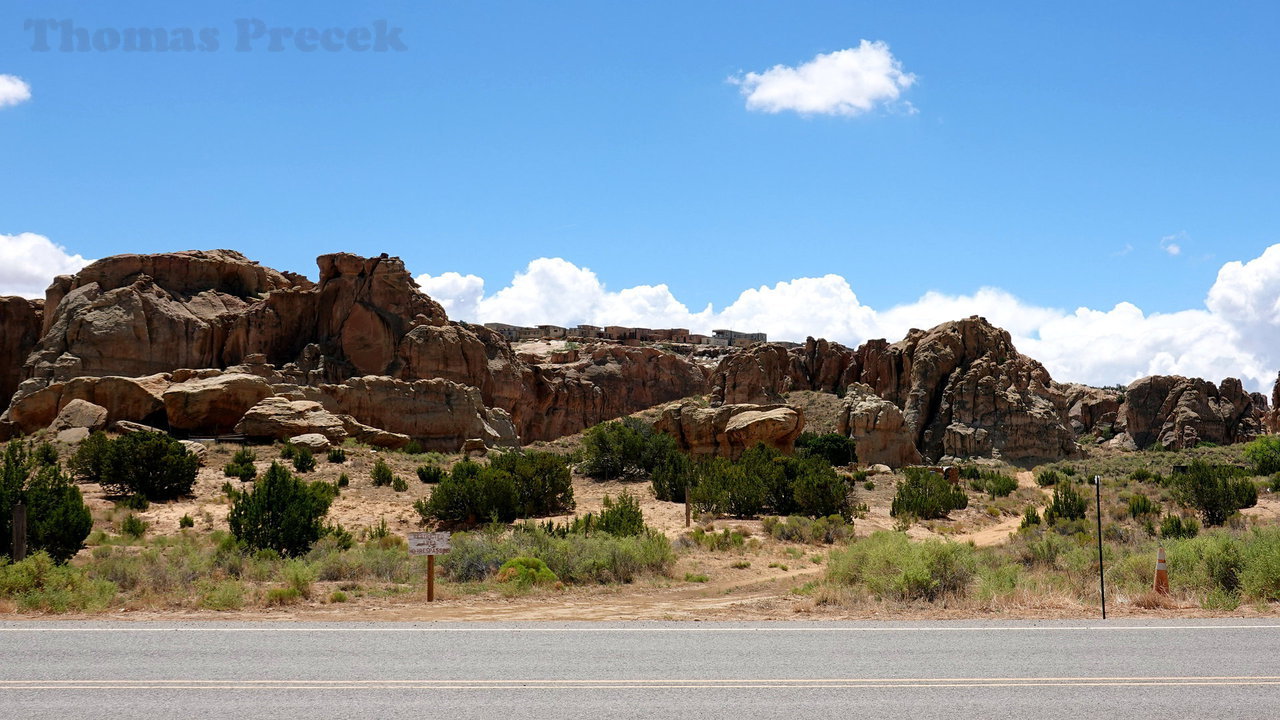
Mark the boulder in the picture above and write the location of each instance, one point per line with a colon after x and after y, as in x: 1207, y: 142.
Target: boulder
x: 200, y: 450
x: 474, y: 446
x: 315, y: 442
x: 214, y: 404
x: 438, y: 414
x: 728, y: 430
x: 879, y: 430
x: 124, y: 427
x: 879, y: 469
x: 280, y: 418
x: 80, y: 414
x: 72, y: 436
x: 1176, y: 412
x: 373, y: 436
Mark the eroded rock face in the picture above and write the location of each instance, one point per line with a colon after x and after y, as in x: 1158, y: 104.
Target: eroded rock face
x: 279, y: 418
x: 878, y: 428
x: 1090, y: 409
x: 80, y: 414
x: 963, y: 389
x: 20, y: 321
x: 214, y: 404
x: 439, y: 414
x: 728, y: 430
x: 1177, y: 412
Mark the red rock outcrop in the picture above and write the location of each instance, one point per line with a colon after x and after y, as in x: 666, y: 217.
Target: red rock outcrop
x: 1176, y: 412
x: 728, y: 430
x: 879, y: 430
x: 437, y: 413
x: 20, y: 322
x: 214, y: 404
x: 962, y: 386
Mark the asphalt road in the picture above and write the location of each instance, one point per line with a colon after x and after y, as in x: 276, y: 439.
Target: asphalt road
x: 1119, y: 669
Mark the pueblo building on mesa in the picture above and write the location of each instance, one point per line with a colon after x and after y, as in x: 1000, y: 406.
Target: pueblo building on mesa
x: 619, y: 334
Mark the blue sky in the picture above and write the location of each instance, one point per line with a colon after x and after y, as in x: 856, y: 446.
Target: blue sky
x: 1056, y: 153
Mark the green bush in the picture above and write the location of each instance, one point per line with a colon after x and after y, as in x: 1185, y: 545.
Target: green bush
x: 834, y: 448
x: 1176, y: 526
x: 186, y: 521
x: 381, y: 474
x: 150, y: 464
x: 764, y: 479
x: 87, y: 462
x: 927, y: 495
x: 1216, y: 491
x: 399, y: 484
x: 574, y: 558
x: 1045, y: 478
x: 40, y: 584
x: 622, y: 448
x: 970, y: 472
x: 889, y: 565
x: 344, y: 480
x: 622, y: 517
x: 672, y: 477
x: 1030, y: 517
x: 1067, y: 504
x: 304, y: 461
x: 133, y: 526
x: 1140, y: 505
x: 1260, y: 567
x: 526, y: 571
x: 1141, y: 475
x: 542, y: 481
x: 818, y: 531
x: 58, y: 521
x: 241, y: 466
x: 724, y: 488
x: 281, y: 512
x: 337, y: 456
x: 430, y: 474
x: 1264, y: 453
x: 472, y: 493
x: 994, y: 484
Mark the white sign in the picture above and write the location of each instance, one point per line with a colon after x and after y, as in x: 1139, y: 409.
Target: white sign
x: 428, y: 543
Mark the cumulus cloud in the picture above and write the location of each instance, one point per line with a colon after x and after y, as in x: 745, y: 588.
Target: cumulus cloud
x: 844, y: 82
x: 13, y: 90
x: 29, y: 262
x: 1235, y: 334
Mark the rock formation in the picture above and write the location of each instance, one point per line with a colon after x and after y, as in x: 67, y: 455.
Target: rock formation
x: 728, y: 430
x: 20, y: 321
x: 1176, y: 412
x: 963, y: 389
x: 878, y: 428
x: 278, y: 418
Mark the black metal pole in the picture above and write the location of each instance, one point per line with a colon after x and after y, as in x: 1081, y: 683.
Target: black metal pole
x: 1102, y: 581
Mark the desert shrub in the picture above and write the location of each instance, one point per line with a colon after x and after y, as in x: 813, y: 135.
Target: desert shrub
x: 542, y: 481
x: 764, y: 479
x: 241, y: 469
x: 1141, y: 475
x: 623, y: 448
x: 381, y: 474
x: 470, y: 494
x: 927, y: 495
x: 1140, y: 505
x: 1045, y: 478
x: 304, y: 461
x: 225, y: 595
x: 344, y: 480
x: 399, y: 484
x: 281, y: 512
x: 970, y: 472
x: 574, y: 558
x: 336, y: 456
x: 672, y: 476
x: 818, y: 531
x: 1067, y: 504
x: 994, y: 484
x: 724, y: 488
x: 133, y: 526
x: 526, y: 571
x: 1215, y: 491
x: 186, y: 521
x: 87, y: 462
x: 1030, y: 517
x: 430, y: 474
x: 717, y: 542
x: 288, y: 451
x: 38, y: 583
x: 1260, y: 566
x: 413, y: 447
x: 1264, y: 454
x: 817, y: 491
x: 150, y: 464
x: 622, y: 517
x: 1176, y: 526
x: 889, y: 565
x: 58, y: 521
x: 834, y: 448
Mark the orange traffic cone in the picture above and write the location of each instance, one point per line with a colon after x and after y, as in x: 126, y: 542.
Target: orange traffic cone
x: 1162, y: 574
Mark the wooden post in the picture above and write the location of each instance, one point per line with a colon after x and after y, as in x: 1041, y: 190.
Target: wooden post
x: 431, y: 578
x: 19, y: 532
x: 688, y: 510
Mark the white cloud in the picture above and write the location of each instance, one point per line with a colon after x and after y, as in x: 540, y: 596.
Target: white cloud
x: 1170, y: 243
x: 13, y: 90
x: 29, y: 262
x: 1235, y: 334
x: 844, y: 82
